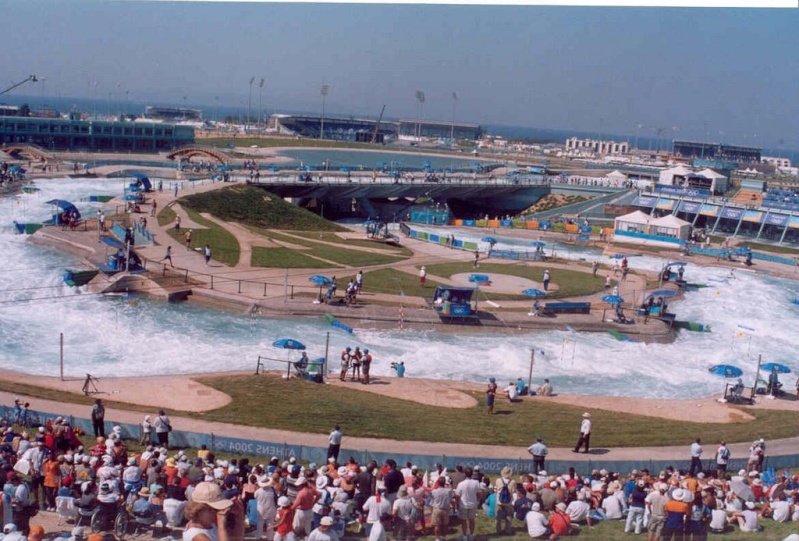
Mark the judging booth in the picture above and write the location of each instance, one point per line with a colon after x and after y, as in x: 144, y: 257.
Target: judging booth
x: 635, y: 222
x: 455, y: 302
x: 670, y: 226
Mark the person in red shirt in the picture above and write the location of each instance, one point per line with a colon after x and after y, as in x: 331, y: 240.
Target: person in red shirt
x: 283, y: 526
x: 559, y: 521
x: 303, y: 506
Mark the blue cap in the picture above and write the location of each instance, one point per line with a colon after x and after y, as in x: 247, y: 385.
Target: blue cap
x: 492, y: 380
x: 366, y: 351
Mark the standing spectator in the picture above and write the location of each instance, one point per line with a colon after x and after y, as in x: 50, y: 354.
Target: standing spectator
x: 422, y: 275
x: 440, y: 501
x: 208, y: 514
x: 696, y: 457
x: 491, y: 394
x: 98, y: 418
x: 504, y: 488
x: 152, y: 210
x: 378, y: 532
x: 635, y: 513
x: 546, y: 280
x: 177, y: 218
x: 207, y: 254
x: 189, y: 233
x: 655, y: 503
x: 722, y: 458
x: 334, y: 441
x: 539, y: 452
x: 266, y: 503
x: 146, y: 431
x: 162, y: 428
x: 585, y: 433
x: 468, y: 495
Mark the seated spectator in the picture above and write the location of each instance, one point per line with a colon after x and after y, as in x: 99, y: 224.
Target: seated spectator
x: 545, y: 389
x: 511, y: 392
x: 747, y: 519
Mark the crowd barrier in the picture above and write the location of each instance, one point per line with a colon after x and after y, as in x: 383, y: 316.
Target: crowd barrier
x: 283, y: 450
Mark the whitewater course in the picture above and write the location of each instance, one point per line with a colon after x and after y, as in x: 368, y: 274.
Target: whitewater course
x: 751, y: 313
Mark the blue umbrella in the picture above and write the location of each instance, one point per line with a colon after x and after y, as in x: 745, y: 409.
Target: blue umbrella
x: 538, y: 244
x: 662, y: 293
x: 612, y: 299
x: 532, y: 292
x: 321, y: 281
x: 781, y: 368
x: 489, y: 240
x: 618, y: 256
x: 726, y: 371
x: 130, y: 197
x: 288, y: 343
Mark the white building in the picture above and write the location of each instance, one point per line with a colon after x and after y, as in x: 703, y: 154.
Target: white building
x: 775, y: 161
x: 597, y: 147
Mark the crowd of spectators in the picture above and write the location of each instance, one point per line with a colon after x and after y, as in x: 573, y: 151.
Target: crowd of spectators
x: 205, y: 498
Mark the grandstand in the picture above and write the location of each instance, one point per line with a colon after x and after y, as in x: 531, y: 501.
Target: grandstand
x: 717, y: 151
x: 339, y: 129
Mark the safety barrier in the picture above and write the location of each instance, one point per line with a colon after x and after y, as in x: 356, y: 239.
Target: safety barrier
x: 284, y: 450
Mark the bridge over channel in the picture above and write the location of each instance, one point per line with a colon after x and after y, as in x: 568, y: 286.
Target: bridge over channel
x: 210, y: 153
x: 465, y: 195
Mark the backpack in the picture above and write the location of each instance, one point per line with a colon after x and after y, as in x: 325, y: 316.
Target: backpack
x: 504, y: 493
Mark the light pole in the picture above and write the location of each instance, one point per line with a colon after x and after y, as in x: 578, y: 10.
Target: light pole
x: 420, y: 99
x: 454, y: 108
x: 216, y: 104
x: 260, y: 109
x: 323, y: 91
x: 249, y: 104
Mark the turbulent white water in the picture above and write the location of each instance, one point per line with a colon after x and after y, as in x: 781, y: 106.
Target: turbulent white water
x: 114, y: 336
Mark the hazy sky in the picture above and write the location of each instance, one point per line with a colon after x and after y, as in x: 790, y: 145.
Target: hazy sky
x: 733, y: 73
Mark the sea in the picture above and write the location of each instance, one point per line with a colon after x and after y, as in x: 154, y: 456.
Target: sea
x: 751, y: 314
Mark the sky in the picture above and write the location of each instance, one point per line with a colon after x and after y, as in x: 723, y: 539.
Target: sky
x: 719, y: 74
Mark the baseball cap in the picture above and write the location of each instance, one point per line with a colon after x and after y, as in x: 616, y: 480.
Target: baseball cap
x: 210, y: 494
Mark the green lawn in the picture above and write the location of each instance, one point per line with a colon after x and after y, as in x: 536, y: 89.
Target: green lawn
x: 284, y: 258
x: 317, y: 407
x: 571, y: 283
x: 327, y: 236
x: 350, y: 258
x: 394, y: 282
x: 224, y: 246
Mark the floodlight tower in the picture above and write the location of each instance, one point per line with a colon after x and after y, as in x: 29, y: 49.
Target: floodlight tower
x: 323, y: 91
x: 420, y: 99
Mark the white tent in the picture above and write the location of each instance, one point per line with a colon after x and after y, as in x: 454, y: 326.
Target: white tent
x: 667, y: 175
x: 617, y: 176
x: 720, y: 182
x: 670, y: 226
x: 635, y: 222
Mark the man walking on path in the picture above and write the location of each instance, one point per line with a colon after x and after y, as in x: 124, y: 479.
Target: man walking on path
x: 422, y: 275
x: 335, y: 442
x: 152, y: 210
x: 207, y: 254
x: 188, y: 238
x: 168, y: 256
x: 696, y: 457
x: 546, y: 280
x: 98, y: 418
x: 585, y: 433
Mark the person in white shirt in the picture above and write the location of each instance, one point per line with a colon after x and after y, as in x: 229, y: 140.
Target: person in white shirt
x: 537, y: 523
x: 579, y: 511
x: 585, y: 433
x: 612, y: 505
x: 324, y: 532
x: 781, y: 510
x: 467, y: 492
x: 696, y: 457
x: 511, y: 391
x: 266, y: 504
x: 378, y: 532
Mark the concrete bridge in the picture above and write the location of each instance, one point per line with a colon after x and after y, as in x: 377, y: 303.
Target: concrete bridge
x: 467, y: 195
